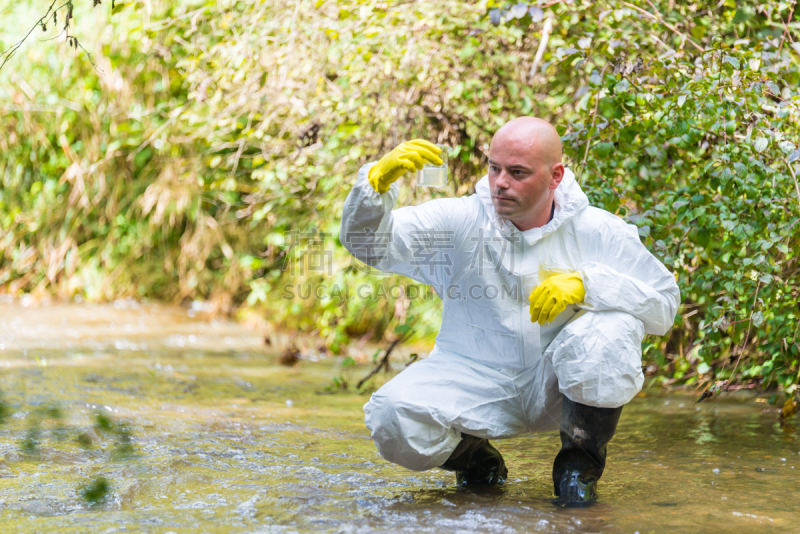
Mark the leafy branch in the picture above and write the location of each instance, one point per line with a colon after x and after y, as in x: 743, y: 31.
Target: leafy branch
x: 404, y: 332
x: 383, y: 363
x: 52, y: 14
x: 659, y: 18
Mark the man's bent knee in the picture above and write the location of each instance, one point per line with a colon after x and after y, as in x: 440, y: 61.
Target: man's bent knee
x: 597, y: 358
x: 407, y: 434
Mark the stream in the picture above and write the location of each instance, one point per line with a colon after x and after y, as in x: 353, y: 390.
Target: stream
x: 224, y: 439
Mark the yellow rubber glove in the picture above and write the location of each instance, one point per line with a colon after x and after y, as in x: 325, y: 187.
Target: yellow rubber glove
x: 408, y: 156
x: 552, y: 296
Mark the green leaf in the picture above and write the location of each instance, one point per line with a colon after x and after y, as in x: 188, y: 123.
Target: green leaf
x: 743, y: 14
x: 467, y: 52
x: 700, y: 237
x: 760, y: 143
x: 698, y: 31
x: 604, y: 149
x: 513, y: 89
x: 732, y: 61
x: 566, y: 52
x: 402, y: 330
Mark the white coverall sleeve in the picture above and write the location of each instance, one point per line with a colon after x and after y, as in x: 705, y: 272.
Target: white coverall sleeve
x: 415, y: 241
x: 624, y: 276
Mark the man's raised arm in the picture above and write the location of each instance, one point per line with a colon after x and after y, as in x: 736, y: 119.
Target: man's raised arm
x: 415, y: 241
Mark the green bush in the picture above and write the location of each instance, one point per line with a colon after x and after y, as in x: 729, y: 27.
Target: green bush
x: 217, y: 145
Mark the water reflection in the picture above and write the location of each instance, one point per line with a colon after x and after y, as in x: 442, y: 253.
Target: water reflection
x: 228, y: 441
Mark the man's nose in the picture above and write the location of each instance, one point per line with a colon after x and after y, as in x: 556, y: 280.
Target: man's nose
x: 502, y: 180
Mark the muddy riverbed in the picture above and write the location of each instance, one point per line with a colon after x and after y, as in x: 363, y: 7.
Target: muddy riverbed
x: 223, y: 439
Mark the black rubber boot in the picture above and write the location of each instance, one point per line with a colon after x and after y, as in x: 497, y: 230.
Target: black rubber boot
x: 476, y: 462
x: 585, y: 433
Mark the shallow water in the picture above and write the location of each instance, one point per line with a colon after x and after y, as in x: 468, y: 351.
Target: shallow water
x: 226, y: 440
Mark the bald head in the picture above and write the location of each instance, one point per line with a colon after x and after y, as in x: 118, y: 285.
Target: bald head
x: 531, y: 135
x: 524, y: 171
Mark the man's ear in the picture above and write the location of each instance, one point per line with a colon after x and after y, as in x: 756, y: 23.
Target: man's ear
x: 557, y: 174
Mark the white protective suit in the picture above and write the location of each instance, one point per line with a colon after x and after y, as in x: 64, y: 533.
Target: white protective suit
x: 493, y: 373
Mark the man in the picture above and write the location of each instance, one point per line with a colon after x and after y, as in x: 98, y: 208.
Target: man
x: 546, y: 302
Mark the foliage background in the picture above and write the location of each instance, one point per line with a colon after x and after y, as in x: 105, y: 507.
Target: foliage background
x: 212, y: 143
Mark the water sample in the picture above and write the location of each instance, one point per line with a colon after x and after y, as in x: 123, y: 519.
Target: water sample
x: 434, y: 175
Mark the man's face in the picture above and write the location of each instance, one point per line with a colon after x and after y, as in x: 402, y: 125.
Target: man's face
x: 519, y: 181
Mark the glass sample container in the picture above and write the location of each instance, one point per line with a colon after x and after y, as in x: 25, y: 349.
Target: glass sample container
x: 431, y: 175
